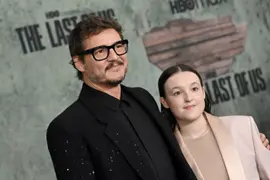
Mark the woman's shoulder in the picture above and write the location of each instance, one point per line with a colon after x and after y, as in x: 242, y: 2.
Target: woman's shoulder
x: 236, y: 119
x: 238, y: 124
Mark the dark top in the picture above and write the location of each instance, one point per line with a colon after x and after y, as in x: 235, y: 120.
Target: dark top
x: 100, y: 137
x: 143, y: 128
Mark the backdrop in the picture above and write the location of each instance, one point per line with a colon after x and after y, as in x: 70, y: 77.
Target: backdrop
x: 226, y: 40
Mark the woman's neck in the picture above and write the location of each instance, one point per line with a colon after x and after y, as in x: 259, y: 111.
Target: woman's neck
x: 193, y: 129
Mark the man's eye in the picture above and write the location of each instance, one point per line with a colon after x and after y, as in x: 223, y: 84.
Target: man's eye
x: 119, y: 45
x: 99, y: 51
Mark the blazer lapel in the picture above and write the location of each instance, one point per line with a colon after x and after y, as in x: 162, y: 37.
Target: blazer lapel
x: 181, y: 164
x: 228, y: 151
x: 129, y: 149
x: 156, y: 115
x: 191, y: 161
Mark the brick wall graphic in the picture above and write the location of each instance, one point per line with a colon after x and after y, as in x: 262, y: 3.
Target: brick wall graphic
x: 208, y: 45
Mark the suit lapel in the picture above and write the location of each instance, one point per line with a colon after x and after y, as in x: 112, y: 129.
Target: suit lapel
x: 228, y: 151
x: 154, y: 113
x: 181, y: 165
x: 130, y: 150
x: 191, y: 161
x: 116, y: 134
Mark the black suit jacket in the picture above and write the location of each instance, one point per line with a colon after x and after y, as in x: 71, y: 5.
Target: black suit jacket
x: 84, y: 143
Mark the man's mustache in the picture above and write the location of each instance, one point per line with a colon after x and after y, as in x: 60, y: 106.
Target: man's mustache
x: 114, y: 63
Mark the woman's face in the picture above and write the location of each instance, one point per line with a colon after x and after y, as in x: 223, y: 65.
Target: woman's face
x: 184, y: 95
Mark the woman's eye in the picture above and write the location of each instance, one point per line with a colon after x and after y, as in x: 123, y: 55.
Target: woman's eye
x: 195, y: 89
x: 176, y: 93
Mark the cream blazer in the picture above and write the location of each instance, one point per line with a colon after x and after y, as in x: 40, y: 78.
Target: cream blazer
x: 239, y: 142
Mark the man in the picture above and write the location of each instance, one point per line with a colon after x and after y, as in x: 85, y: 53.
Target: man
x: 111, y: 132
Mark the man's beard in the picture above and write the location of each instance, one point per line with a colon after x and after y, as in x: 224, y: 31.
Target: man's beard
x: 108, y: 82
x: 115, y: 83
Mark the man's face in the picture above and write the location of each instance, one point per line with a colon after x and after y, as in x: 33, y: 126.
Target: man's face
x: 112, y: 70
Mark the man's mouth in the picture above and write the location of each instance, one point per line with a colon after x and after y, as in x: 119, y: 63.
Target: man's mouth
x: 114, y: 66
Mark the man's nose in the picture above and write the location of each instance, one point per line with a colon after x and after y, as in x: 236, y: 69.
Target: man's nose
x: 112, y: 55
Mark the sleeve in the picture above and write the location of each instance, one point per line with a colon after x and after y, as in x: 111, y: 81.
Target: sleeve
x: 262, y: 154
x: 70, y: 156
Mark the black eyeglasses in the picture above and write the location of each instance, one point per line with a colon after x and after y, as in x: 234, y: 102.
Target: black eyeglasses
x: 102, y: 52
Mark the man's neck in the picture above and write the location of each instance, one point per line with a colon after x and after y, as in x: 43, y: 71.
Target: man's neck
x: 114, y: 91
x: 193, y: 129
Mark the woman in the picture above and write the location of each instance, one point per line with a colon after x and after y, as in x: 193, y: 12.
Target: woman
x: 216, y: 148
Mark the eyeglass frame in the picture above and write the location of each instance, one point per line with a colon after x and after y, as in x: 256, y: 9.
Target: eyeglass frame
x: 91, y: 50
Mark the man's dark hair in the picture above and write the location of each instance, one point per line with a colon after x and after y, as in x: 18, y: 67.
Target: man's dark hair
x: 88, y: 27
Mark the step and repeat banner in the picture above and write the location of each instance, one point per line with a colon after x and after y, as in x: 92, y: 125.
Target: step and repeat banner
x: 227, y: 41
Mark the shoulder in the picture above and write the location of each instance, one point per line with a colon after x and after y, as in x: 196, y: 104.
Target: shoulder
x: 141, y: 93
x: 136, y: 89
x: 236, y: 119
x: 240, y: 127
x: 238, y: 124
x: 70, y: 118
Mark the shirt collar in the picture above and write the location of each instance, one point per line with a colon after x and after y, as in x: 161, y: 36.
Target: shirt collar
x: 104, y: 99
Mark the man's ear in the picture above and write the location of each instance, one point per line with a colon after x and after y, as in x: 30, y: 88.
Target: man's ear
x: 78, y: 63
x: 163, y: 102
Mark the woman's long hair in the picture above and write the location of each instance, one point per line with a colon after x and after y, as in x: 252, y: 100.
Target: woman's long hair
x: 168, y: 115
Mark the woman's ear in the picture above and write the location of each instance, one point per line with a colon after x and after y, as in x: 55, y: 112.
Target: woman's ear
x: 163, y: 102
